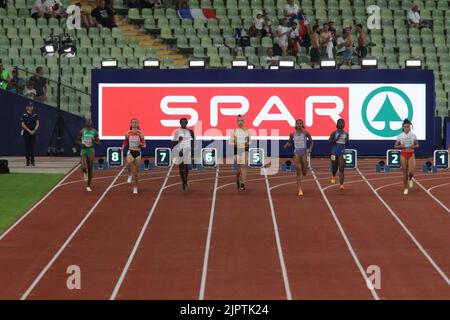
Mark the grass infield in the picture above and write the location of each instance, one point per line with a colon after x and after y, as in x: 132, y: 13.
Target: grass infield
x: 20, y: 191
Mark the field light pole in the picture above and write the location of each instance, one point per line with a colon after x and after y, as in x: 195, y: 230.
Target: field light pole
x: 57, y: 42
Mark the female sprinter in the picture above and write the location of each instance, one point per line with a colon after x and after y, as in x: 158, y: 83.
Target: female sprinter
x: 87, y: 137
x: 407, y: 142
x: 339, y: 140
x: 182, y: 141
x: 240, y: 139
x: 135, y: 140
x: 301, y: 139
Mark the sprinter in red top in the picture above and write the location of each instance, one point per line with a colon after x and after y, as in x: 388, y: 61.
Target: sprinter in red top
x: 135, y: 140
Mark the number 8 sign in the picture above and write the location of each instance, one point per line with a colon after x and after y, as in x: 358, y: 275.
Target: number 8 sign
x: 114, y: 156
x: 393, y: 158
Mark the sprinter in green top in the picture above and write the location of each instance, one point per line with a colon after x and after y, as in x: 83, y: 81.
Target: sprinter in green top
x: 87, y: 137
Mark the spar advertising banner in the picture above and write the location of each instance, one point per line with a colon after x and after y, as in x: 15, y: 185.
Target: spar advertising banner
x: 373, y: 104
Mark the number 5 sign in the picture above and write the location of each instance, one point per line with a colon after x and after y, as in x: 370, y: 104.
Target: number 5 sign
x: 255, y: 157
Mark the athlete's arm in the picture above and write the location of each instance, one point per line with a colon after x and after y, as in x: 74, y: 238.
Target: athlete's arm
x: 96, y: 138
x: 416, y: 143
x: 332, y: 140
x: 125, y: 142
x: 142, y: 136
x: 175, y: 139
x: 232, y: 138
x: 78, y: 139
x: 347, y: 140
x: 311, y: 142
x: 289, y: 142
x: 247, y: 139
x: 398, y: 144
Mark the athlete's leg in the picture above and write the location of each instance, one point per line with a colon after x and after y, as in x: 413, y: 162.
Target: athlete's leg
x: 298, y: 170
x: 83, y: 162
x: 334, y: 165
x: 341, y: 169
x: 244, y: 167
x: 411, y: 168
x: 90, y: 166
x: 137, y: 167
x: 404, y: 164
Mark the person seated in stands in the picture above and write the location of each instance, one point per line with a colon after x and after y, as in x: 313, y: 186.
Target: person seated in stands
x: 16, y: 84
x: 103, y: 15
x: 29, y: 91
x: 48, y: 9
x: 414, y: 19
x: 86, y: 19
x: 271, y: 60
x: 40, y: 84
x: 238, y: 52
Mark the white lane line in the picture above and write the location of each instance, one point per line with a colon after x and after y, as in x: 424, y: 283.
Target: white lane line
x: 432, y: 196
x: 2, y: 236
x: 139, y: 239
x: 278, y: 241
x: 66, y: 243
x: 347, y: 241
x: 400, y: 222
x: 201, y: 295
x: 438, y: 186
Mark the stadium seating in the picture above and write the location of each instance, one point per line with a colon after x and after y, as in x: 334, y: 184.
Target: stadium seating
x: 161, y: 33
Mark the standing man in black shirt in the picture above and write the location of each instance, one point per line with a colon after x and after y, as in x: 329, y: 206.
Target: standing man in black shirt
x: 30, y: 125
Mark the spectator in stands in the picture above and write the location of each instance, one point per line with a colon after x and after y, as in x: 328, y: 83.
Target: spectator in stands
x: 30, y: 125
x: 86, y: 19
x: 4, y: 77
x: 348, y: 52
x: 271, y: 60
x: 294, y: 39
x: 362, y: 49
x: 340, y: 44
x: 282, y: 36
x: 30, y: 91
x: 291, y: 10
x: 331, y: 26
x: 180, y: 4
x: 326, y: 42
x: 414, y: 19
x: 267, y: 28
x: 40, y: 84
x: 48, y: 9
x: 4, y: 4
x: 16, y: 84
x: 259, y: 22
x: 315, y: 45
x: 238, y: 52
x: 103, y: 15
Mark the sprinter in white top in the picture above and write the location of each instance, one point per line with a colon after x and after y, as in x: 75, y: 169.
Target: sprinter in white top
x: 240, y: 139
x: 407, y: 142
x: 181, y: 144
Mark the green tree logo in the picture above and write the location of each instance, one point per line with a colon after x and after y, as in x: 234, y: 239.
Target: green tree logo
x: 386, y: 113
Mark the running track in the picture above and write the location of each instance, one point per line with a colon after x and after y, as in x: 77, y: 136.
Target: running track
x: 214, y: 242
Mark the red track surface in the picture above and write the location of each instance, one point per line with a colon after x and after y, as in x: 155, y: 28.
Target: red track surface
x: 159, y: 244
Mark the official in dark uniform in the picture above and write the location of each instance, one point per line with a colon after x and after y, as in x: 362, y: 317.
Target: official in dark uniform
x: 30, y: 125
